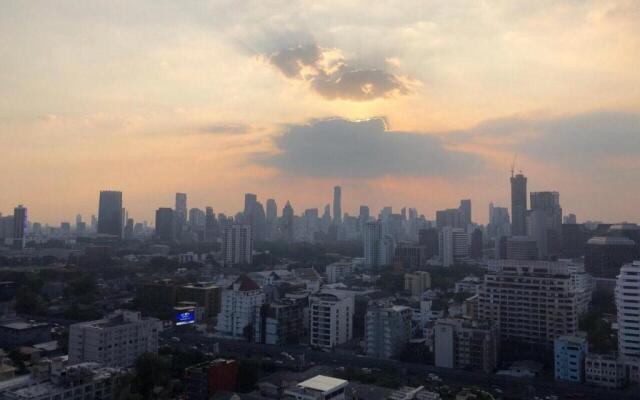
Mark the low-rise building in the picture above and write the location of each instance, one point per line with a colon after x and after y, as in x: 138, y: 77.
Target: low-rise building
x: 466, y: 344
x: 115, y: 341
x: 337, y: 271
x: 331, y: 319
x: 21, y: 333
x: 417, y: 283
x: 604, y: 370
x: 319, y: 387
x: 569, y: 354
x: 206, y: 295
x: 203, y: 380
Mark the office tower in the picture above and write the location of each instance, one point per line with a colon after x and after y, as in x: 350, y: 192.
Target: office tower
x: 165, y: 224
x: 279, y: 323
x: 325, y: 221
x: 237, y: 245
x: 286, y: 223
x: 417, y: 283
x: 250, y: 200
x: 387, y: 330
x: 428, y: 238
x: 128, y: 229
x: 337, y: 205
x: 534, y: 302
x: 78, y: 219
x: 311, y: 223
x: 518, y: 205
x: 271, y: 220
x: 210, y: 225
x: 522, y: 248
x: 196, y: 218
x: 466, y: 344
x: 205, y: 295
x: 569, y: 353
x: 115, y: 341
x: 410, y: 255
x: 240, y: 301
x: 378, y: 247
x: 331, y: 319
x: 604, y: 255
x: 180, y: 213
x: 546, y: 222
x: 453, y: 245
x: 477, y: 244
x: 451, y: 218
x: 94, y: 223
x: 363, y: 218
x: 385, y: 213
x: 337, y: 271
x: 628, y: 306
x: 20, y: 224
x: 499, y: 222
x: 574, y: 240
x: 110, y: 213
x: 465, y: 213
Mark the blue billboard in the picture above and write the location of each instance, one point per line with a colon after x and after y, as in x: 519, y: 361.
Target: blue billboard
x: 186, y: 317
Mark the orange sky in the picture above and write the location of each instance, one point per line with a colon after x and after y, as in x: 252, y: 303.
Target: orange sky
x: 159, y: 96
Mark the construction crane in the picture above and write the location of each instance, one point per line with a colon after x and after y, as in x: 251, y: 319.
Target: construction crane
x: 513, y: 164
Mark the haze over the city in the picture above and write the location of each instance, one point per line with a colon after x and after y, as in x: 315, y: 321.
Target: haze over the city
x: 411, y: 103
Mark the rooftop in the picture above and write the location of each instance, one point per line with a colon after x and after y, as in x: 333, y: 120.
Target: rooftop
x: 322, y: 383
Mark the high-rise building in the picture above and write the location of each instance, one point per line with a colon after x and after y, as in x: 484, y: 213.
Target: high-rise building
x: 449, y: 218
x: 546, y: 222
x: 378, y: 247
x: 628, y: 306
x: 331, y: 319
x: 210, y: 225
x: 240, y: 301
x: 279, y: 323
x: 518, y: 205
x: 271, y: 220
x: 428, y: 238
x: 604, y: 255
x: 180, y: 213
x: 165, y: 224
x: 454, y: 245
x: 286, y: 223
x: 115, y: 341
x: 466, y: 344
x: 387, y: 330
x: 110, y: 216
x: 534, y: 302
x: 522, y: 248
x: 337, y: 205
x: 20, y: 224
x: 237, y: 245
x: 128, y: 229
x: 465, y: 213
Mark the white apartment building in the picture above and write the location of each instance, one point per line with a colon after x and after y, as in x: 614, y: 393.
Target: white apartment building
x: 533, y: 302
x: 237, y: 245
x: 330, y: 319
x: 115, y: 341
x: 387, y: 330
x: 337, y: 271
x: 240, y: 301
x: 628, y: 306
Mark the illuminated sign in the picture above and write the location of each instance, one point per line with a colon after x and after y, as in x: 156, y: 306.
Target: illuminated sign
x: 184, y: 318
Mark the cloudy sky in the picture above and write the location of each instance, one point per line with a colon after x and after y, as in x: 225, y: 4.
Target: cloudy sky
x: 416, y: 103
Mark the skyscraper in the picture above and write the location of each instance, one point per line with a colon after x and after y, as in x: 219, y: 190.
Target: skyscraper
x: 165, y: 224
x: 286, y: 223
x: 19, y: 226
x: 337, y: 205
x: 518, y: 205
x: 465, y: 213
x: 378, y: 247
x: 110, y: 217
x: 546, y: 222
x: 181, y: 212
x: 271, y: 219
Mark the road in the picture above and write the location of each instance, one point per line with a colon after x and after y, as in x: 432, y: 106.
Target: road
x: 521, y: 386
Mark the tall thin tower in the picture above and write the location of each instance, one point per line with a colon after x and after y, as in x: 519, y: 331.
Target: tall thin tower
x: 518, y: 204
x: 337, y: 205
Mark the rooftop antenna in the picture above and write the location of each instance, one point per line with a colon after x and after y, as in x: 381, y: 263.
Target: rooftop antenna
x: 513, y: 164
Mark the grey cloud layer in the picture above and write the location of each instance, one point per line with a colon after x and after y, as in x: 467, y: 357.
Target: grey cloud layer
x: 337, y: 80
x: 365, y: 149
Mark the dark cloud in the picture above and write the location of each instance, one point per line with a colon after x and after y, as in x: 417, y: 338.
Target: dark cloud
x: 365, y: 149
x: 232, y: 129
x: 578, y: 140
x: 333, y: 78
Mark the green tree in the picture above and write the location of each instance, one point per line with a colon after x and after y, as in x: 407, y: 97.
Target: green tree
x: 151, y: 370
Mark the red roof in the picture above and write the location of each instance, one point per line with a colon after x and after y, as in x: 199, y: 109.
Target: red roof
x: 246, y: 284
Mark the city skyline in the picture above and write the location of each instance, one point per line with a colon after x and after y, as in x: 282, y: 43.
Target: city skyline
x: 211, y: 100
